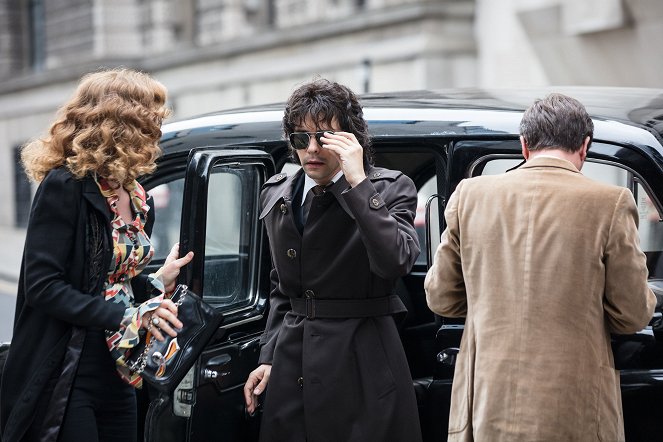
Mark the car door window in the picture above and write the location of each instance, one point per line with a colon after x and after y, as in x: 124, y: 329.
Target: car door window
x: 230, y: 232
x: 651, y: 231
x: 168, y: 211
x: 428, y: 189
x: 650, y: 225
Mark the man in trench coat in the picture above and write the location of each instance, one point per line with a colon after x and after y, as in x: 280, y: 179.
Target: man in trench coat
x: 544, y: 263
x: 331, y: 357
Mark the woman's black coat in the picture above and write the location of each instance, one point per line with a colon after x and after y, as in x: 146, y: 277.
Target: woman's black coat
x: 66, y: 258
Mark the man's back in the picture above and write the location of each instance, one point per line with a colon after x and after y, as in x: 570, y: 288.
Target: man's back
x: 549, y: 264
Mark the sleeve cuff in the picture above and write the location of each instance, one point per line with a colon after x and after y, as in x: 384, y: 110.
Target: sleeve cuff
x: 132, y: 320
x: 155, y: 283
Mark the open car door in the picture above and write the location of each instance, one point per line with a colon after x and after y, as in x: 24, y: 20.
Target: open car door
x: 219, y: 192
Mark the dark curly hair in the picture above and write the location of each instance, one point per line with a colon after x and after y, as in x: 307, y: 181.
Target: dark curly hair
x: 325, y: 101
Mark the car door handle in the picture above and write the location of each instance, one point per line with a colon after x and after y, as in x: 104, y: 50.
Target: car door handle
x: 253, y: 343
x: 448, y: 356
x: 217, y: 367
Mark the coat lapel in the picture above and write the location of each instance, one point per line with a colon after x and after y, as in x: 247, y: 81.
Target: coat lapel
x: 284, y: 192
x: 92, y: 194
x: 337, y: 189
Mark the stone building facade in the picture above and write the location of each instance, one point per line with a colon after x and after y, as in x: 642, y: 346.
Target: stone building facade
x: 218, y: 54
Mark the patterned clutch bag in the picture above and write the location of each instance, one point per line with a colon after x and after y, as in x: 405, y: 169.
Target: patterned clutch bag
x: 163, y: 364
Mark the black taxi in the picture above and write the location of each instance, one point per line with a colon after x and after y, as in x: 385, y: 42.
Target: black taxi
x: 206, y: 191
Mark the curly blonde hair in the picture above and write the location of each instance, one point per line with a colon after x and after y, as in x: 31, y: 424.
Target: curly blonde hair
x: 111, y: 127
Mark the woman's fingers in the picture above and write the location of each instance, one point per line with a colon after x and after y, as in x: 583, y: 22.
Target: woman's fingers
x: 164, y: 320
x: 181, y: 262
x: 173, y: 254
x: 168, y: 316
x: 157, y: 334
x: 169, y: 305
x: 165, y: 327
x: 171, y: 270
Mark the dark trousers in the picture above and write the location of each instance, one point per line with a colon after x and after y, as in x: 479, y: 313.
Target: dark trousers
x: 101, y: 407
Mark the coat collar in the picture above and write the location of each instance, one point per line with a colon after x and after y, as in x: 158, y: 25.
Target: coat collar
x: 95, y: 198
x: 283, y: 190
x: 286, y: 190
x: 549, y: 161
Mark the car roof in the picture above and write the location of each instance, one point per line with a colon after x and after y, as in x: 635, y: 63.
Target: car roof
x: 632, y: 116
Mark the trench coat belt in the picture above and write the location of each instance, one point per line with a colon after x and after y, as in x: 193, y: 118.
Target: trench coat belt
x: 313, y: 308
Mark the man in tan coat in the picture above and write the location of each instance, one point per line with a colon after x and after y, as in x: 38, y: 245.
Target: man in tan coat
x: 544, y: 263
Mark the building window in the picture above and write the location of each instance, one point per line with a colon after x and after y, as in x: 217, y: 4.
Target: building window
x: 37, y: 26
x: 271, y: 13
x: 22, y: 191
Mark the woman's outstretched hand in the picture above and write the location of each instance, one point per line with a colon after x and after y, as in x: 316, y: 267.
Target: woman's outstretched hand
x: 171, y: 268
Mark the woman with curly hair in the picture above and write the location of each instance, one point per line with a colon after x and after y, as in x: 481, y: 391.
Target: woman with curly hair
x: 81, y: 296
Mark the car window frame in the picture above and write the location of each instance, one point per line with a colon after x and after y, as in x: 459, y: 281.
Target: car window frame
x: 199, y: 164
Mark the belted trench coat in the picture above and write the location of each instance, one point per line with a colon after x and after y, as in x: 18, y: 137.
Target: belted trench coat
x: 338, y: 379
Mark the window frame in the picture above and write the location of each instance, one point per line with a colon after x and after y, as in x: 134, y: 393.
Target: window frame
x: 194, y: 166
x: 253, y: 233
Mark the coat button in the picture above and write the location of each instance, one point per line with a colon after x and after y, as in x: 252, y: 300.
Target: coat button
x: 376, y: 174
x: 300, y: 381
x: 375, y: 202
x: 309, y: 294
x: 284, y: 209
x: 292, y: 253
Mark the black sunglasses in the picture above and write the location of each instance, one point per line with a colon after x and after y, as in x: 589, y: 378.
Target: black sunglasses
x: 301, y: 140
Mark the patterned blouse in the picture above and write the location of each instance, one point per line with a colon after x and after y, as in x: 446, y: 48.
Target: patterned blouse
x: 132, y: 251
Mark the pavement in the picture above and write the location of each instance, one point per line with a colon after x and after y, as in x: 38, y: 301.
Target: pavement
x: 12, y: 240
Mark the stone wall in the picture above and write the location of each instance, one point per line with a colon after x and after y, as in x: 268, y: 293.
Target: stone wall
x: 217, y: 54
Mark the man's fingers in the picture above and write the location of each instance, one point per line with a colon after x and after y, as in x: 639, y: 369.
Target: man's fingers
x: 345, y: 139
x: 249, y: 397
x: 248, y: 389
x: 259, y: 376
x: 262, y: 385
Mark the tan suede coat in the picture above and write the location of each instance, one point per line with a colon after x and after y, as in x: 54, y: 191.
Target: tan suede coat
x: 544, y: 263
